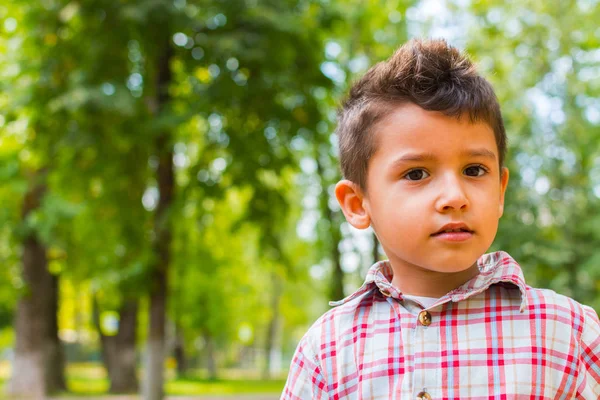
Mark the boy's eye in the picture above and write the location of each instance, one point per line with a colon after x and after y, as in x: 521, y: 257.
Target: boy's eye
x: 416, y: 175
x: 475, y: 170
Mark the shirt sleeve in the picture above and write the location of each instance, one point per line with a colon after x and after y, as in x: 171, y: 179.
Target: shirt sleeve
x: 305, y: 379
x: 588, y: 377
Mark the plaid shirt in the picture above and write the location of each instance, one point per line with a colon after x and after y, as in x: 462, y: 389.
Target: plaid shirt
x: 492, y: 338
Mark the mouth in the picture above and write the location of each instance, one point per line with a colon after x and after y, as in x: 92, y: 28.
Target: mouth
x: 453, y: 228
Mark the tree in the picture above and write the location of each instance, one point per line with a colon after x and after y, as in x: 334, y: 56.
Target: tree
x: 38, y: 365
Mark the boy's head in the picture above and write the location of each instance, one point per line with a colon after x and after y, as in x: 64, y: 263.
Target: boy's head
x: 422, y: 145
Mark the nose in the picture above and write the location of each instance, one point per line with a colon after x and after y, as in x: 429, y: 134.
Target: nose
x: 452, y: 195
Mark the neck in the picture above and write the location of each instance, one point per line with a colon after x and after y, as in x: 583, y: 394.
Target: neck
x: 417, y: 281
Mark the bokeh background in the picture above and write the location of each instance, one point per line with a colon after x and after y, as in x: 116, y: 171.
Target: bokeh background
x: 167, y: 222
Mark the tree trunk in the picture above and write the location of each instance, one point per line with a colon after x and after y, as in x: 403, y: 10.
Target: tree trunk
x: 38, y: 361
x: 155, y: 353
x: 118, y: 351
x: 211, y: 357
x: 272, y: 350
x: 28, y: 373
x: 153, y: 384
x: 55, y: 367
x: 122, y: 375
x: 179, y: 351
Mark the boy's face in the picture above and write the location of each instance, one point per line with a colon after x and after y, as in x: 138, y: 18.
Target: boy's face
x: 435, y: 190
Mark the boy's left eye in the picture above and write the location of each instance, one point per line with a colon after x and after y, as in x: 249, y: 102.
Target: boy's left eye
x: 475, y: 170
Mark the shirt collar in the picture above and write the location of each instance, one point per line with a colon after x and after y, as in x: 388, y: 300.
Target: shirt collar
x: 493, y: 268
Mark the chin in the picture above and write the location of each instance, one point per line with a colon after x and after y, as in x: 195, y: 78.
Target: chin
x: 454, y: 268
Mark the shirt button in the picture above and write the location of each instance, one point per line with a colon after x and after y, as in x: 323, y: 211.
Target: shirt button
x: 385, y: 292
x: 424, y: 395
x: 425, y: 320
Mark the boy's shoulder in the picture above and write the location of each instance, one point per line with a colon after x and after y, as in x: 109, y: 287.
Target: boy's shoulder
x: 545, y: 304
x: 347, y: 315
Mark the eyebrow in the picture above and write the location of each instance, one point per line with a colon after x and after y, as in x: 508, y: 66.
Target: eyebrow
x: 421, y: 157
x: 415, y: 157
x: 482, y: 152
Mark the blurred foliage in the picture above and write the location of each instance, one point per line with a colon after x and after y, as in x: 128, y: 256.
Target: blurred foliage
x: 252, y: 110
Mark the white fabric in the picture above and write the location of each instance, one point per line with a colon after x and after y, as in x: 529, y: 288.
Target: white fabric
x: 424, y: 301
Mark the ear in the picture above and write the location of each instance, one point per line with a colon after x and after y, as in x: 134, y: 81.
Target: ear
x: 351, y: 199
x: 503, y: 184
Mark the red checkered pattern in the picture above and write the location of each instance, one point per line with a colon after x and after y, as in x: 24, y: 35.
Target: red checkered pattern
x: 492, y: 338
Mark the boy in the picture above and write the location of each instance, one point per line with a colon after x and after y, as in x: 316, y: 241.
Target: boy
x: 422, y: 147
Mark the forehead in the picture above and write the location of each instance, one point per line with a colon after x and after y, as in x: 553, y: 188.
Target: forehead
x: 409, y: 128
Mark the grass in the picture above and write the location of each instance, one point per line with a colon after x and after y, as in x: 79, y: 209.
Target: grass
x: 198, y: 386
x: 89, y: 379
x: 86, y: 378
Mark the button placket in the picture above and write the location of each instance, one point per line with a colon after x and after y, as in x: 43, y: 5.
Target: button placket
x: 427, y: 342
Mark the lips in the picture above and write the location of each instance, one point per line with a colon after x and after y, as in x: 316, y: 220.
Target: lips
x: 453, y: 228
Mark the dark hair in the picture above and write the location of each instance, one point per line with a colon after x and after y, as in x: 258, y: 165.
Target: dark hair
x: 428, y: 73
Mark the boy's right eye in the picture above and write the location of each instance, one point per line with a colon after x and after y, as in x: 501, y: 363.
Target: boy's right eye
x: 416, y: 175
